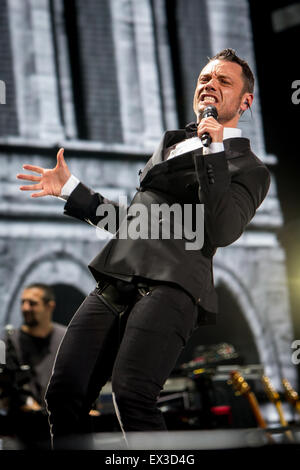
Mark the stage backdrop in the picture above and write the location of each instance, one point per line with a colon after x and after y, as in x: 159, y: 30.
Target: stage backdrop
x: 104, y: 79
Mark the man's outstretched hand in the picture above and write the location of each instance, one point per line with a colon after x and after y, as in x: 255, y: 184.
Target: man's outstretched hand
x: 49, y: 182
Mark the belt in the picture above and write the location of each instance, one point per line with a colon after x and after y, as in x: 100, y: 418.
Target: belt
x: 119, y: 294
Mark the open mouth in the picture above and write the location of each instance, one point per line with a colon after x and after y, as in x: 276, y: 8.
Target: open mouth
x: 208, y: 99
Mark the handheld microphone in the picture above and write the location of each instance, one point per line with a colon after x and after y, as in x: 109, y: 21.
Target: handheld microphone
x: 208, y: 111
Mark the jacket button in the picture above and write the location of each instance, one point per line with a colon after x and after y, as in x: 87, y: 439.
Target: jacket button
x: 198, y: 301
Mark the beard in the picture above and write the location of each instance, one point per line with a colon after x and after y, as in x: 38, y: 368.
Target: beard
x: 29, y: 319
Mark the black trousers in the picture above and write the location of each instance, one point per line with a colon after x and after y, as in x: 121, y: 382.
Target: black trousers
x: 137, y: 353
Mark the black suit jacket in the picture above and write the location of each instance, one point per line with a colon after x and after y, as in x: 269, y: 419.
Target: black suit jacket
x: 233, y: 182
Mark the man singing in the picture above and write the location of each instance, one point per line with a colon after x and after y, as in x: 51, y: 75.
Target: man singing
x: 152, y: 293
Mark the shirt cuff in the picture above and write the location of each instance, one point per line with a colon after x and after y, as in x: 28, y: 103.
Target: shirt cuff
x: 215, y: 147
x: 69, y: 187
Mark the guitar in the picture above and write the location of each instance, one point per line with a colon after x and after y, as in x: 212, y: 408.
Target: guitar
x: 274, y: 397
x: 291, y: 394
x: 243, y: 388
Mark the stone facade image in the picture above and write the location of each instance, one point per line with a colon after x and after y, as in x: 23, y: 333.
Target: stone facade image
x: 101, y: 79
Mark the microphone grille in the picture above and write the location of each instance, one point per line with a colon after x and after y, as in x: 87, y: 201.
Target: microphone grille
x: 210, y: 110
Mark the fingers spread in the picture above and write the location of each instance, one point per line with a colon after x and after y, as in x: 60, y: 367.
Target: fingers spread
x: 31, y: 187
x: 60, y: 156
x: 29, y: 177
x: 40, y: 194
x: 37, y: 169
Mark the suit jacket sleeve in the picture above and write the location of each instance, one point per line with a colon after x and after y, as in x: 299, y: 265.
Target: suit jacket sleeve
x: 230, y: 202
x: 91, y: 207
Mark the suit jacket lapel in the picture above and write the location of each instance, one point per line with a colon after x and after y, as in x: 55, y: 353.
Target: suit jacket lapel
x: 234, y: 147
x: 169, y: 138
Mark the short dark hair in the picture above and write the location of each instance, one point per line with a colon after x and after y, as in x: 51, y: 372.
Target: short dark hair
x: 231, y: 56
x: 48, y: 291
